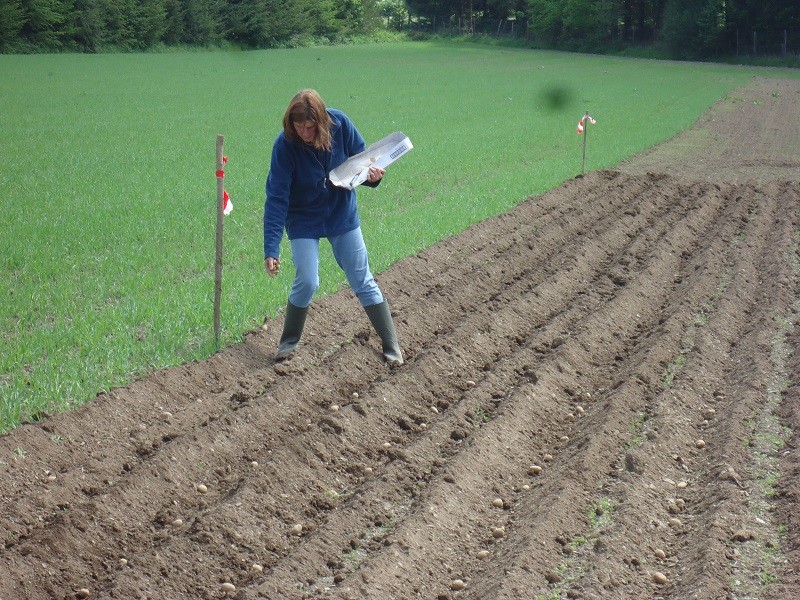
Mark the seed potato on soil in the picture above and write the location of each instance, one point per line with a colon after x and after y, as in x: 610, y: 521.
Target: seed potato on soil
x: 457, y: 585
x: 660, y: 578
x: 643, y: 294
x: 228, y: 588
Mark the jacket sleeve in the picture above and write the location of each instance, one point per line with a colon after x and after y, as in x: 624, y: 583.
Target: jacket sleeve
x: 354, y: 143
x: 276, y: 205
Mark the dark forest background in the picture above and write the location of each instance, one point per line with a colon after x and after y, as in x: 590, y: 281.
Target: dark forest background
x: 681, y: 29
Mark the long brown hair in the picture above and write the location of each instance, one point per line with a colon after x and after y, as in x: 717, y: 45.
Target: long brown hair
x: 307, y: 105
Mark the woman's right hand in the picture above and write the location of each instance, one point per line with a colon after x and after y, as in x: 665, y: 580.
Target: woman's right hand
x: 272, y: 265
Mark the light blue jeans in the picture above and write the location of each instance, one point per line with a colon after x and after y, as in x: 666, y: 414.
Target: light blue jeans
x: 350, y: 253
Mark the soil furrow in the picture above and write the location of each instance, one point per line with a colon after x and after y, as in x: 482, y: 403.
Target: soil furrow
x: 501, y: 378
x: 697, y: 401
x: 423, y: 561
x: 643, y: 373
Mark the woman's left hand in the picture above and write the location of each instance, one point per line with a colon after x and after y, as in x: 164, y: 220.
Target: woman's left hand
x: 375, y: 174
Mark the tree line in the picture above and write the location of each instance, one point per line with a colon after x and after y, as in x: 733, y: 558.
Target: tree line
x: 686, y: 29
x: 98, y: 25
x: 682, y: 28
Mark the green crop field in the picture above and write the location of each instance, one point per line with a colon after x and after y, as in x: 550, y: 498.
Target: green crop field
x: 107, y: 246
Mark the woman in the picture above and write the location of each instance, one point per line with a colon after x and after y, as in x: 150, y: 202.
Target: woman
x: 301, y: 199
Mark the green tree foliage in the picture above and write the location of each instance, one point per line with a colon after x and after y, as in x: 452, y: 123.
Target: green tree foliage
x: 271, y: 23
x: 708, y: 28
x: 97, y: 25
x: 575, y: 23
x: 174, y: 25
x: 321, y: 16
x: 467, y: 15
x: 357, y: 16
x: 119, y: 23
x: 203, y: 22
x: 768, y: 20
x: 94, y: 25
x: 395, y: 12
x: 42, y: 22
x: 149, y: 22
x: 351, y: 14
x: 12, y: 19
x: 693, y: 28
x: 685, y: 28
x: 87, y: 25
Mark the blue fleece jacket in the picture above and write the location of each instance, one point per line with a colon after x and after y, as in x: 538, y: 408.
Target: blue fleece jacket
x: 299, y: 195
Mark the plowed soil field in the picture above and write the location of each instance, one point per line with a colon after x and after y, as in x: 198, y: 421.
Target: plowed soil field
x: 600, y: 400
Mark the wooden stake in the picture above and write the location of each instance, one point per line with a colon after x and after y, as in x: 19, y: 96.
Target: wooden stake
x: 218, y: 261
x: 585, y: 135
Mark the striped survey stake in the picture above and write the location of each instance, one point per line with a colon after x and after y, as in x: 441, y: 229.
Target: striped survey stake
x: 582, y: 130
x: 227, y: 205
x: 581, y: 123
x: 224, y: 207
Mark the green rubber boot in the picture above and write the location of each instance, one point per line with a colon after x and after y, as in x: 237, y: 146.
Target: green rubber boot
x: 381, y: 320
x: 293, y: 324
